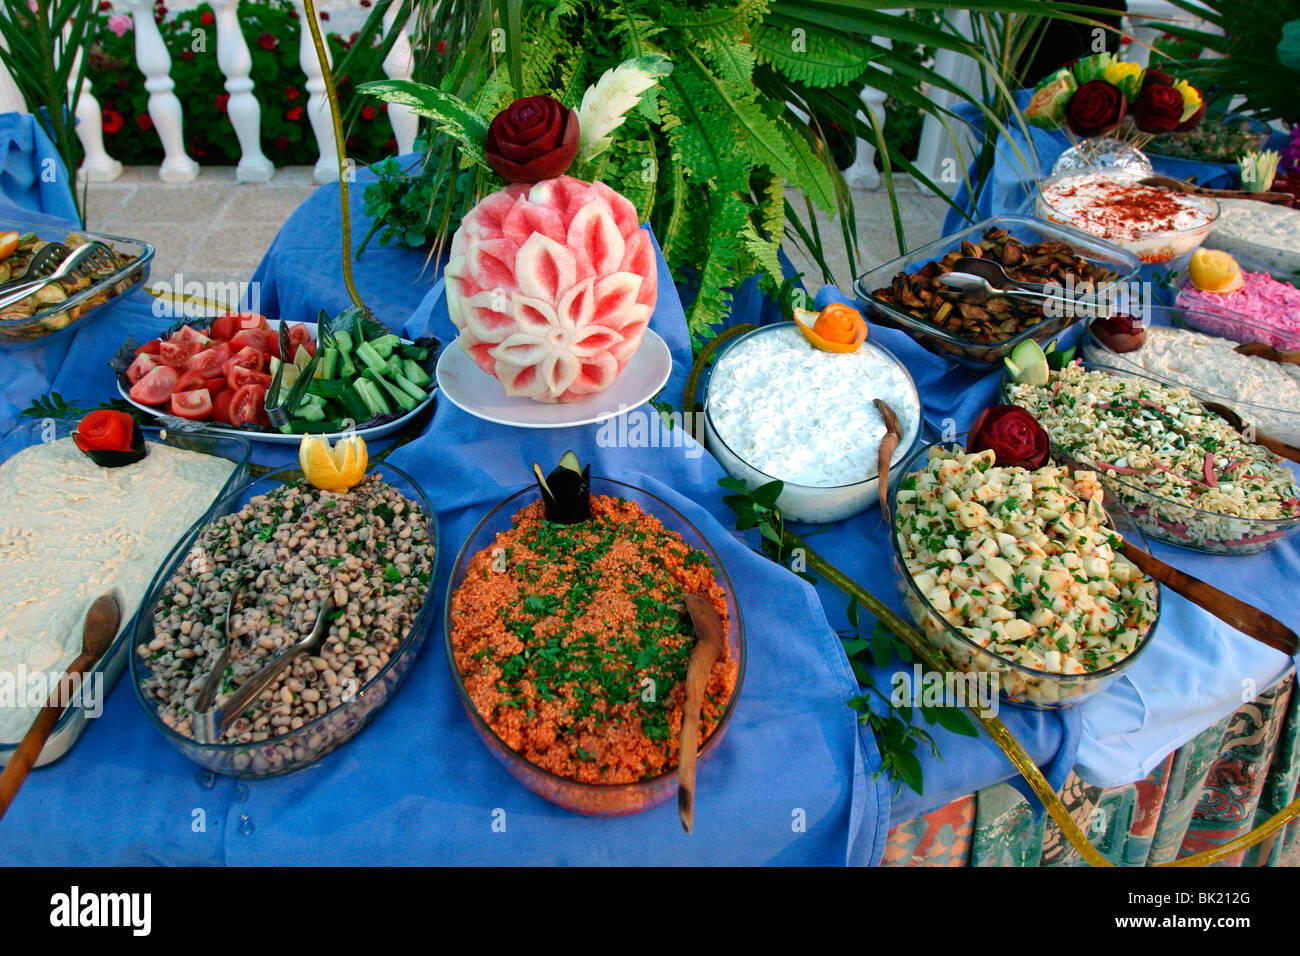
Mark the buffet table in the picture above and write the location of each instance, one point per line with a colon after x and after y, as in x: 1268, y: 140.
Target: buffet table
x: 797, y: 779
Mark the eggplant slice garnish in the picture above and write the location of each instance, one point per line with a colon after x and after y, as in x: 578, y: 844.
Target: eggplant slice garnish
x: 566, y: 491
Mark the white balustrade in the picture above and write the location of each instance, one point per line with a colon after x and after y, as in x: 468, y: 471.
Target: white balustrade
x: 96, y: 165
x: 318, y: 112
x: 164, y: 108
x: 863, y: 173
x: 399, y: 65
x: 242, y: 108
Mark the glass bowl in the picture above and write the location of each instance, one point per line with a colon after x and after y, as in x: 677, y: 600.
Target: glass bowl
x: 1018, y: 684
x: 970, y: 352
x: 106, y: 671
x: 1219, y: 139
x: 1115, y: 156
x: 592, y: 799
x: 1263, y: 411
x: 1221, y: 315
x: 297, y: 748
x: 1171, y: 520
x: 808, y: 502
x: 1154, y: 247
x: 69, y: 314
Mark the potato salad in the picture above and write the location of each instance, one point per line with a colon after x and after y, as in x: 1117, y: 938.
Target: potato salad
x: 1022, y: 563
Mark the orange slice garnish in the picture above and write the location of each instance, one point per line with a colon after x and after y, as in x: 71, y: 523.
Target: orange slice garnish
x: 836, y: 328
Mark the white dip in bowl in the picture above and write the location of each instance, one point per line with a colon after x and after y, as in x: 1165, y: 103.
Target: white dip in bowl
x: 777, y: 407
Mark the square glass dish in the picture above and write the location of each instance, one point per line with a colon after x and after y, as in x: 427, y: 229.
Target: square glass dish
x: 32, y: 322
x: 1196, y: 350
x: 967, y: 350
x: 101, y: 678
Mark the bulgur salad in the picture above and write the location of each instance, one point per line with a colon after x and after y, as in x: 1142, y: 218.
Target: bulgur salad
x: 1184, y: 473
x: 572, y: 641
x: 284, y: 553
x: 1022, y: 563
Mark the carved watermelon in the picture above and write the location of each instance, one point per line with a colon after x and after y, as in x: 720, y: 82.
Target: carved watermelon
x: 551, y: 286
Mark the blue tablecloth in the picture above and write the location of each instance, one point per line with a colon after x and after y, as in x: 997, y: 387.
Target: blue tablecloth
x: 32, y: 175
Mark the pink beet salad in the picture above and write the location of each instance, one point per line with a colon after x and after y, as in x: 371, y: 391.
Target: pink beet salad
x: 1265, y: 302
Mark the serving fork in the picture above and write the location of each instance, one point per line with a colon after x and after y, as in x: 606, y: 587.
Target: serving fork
x: 45, y: 261
x: 94, y: 255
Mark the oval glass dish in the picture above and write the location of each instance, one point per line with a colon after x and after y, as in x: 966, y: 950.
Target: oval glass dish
x: 1153, y: 247
x: 965, y: 350
x: 297, y: 747
x: 799, y: 502
x: 1170, y: 520
x: 592, y: 799
x: 109, y: 667
x: 1018, y: 684
x: 84, y: 304
x: 1179, y: 364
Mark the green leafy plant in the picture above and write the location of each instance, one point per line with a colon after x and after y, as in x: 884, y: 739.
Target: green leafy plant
x: 271, y: 29
x: 742, y: 116
x: 1247, y: 60
x: 43, y: 42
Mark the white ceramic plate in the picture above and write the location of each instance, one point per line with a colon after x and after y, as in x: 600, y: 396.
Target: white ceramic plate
x: 472, y: 390
x: 278, y: 438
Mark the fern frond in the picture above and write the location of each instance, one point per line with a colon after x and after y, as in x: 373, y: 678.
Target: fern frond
x: 702, y: 131
x: 813, y: 58
x: 727, y: 214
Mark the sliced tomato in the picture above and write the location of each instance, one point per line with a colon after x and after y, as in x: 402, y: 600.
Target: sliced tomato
x: 209, y: 361
x: 144, y: 364
x: 298, y: 335
x: 156, y: 387
x: 238, y: 377
x: 246, y: 407
x: 251, y: 320
x: 152, y: 347
x: 247, y: 357
x: 310, y: 347
x: 224, y: 326
x: 221, y: 406
x: 188, y: 334
x: 264, y: 340
x: 195, y: 379
x: 195, y: 404
x: 175, y: 352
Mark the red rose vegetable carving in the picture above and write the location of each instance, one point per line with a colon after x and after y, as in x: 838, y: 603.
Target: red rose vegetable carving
x: 1014, y: 435
x: 1158, y: 109
x: 109, y: 438
x: 1096, y: 108
x: 533, y: 139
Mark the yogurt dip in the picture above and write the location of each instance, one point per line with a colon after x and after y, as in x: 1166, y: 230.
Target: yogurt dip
x: 1261, y: 231
x: 779, y: 408
x: 1155, y: 224
x: 1265, y: 394
x: 71, y: 531
x: 1268, y: 303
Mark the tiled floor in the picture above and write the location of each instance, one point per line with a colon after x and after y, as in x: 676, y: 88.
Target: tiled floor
x: 216, y: 229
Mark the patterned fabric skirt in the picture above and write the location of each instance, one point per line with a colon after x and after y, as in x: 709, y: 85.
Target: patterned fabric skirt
x: 1220, y: 785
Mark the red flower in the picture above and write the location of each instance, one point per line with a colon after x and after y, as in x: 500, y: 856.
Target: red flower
x: 111, y: 120
x: 341, y: 81
x: 282, y: 142
x: 1159, y: 109
x: 390, y: 144
x: 324, y: 14
x: 267, y: 42
x: 294, y: 114
x: 221, y: 102
x: 291, y: 93
x: 105, y: 5
x: 120, y: 84
x: 144, y: 121
x: 206, y: 18
x: 1013, y: 434
x: 532, y: 139
x: 441, y: 46
x: 367, y: 112
x: 187, y: 54
x: 365, y: 3
x: 1096, y: 108
x: 351, y: 142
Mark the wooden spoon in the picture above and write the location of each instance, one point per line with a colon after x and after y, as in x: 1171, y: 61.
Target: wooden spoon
x: 1276, y: 446
x: 1178, y: 185
x: 1260, y: 350
x: 1251, y: 621
x: 102, y: 621
x: 893, y: 435
x: 709, y: 645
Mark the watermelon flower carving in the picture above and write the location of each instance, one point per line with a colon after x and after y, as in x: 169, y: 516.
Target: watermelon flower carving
x: 551, y: 286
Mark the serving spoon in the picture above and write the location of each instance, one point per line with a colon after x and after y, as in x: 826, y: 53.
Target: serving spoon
x: 1277, y: 447
x: 973, y: 274
x: 1260, y: 350
x: 1181, y: 186
x: 708, y: 648
x: 97, y: 633
x: 893, y: 435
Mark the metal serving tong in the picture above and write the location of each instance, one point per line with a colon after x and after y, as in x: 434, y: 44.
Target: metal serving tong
x: 210, y: 721
x: 45, y: 261
x: 94, y: 254
x: 984, y: 277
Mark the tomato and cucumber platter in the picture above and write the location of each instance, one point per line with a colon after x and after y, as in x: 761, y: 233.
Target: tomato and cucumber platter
x: 216, y: 373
